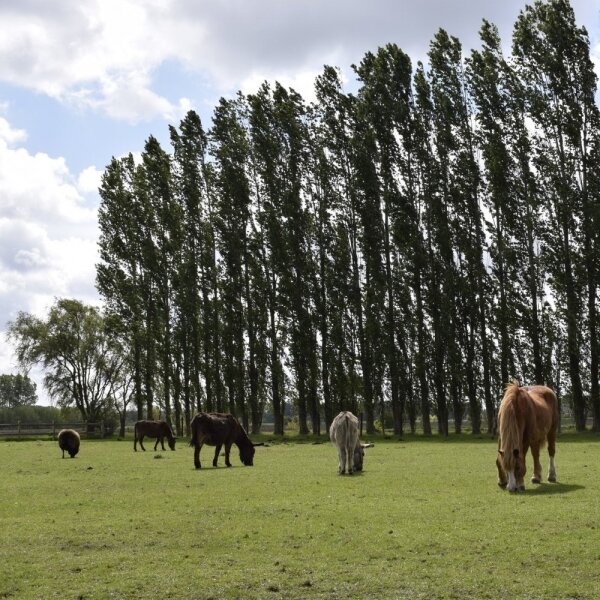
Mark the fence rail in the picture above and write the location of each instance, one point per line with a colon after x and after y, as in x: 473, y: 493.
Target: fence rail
x: 22, y: 429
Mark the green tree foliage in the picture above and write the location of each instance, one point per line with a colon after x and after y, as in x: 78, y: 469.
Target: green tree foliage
x: 404, y: 251
x: 78, y: 351
x: 17, y: 390
x: 39, y: 414
x: 553, y: 61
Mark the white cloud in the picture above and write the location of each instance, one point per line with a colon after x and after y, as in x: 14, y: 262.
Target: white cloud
x: 89, y: 180
x: 48, y: 236
x: 94, y: 53
x: 9, y: 135
x: 303, y: 82
x: 131, y: 99
x: 102, y: 54
x: 40, y: 189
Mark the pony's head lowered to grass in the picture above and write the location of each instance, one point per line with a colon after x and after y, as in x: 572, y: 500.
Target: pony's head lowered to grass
x: 511, y: 457
x: 527, y: 418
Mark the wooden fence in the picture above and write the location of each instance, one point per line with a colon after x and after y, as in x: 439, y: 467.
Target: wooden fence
x: 43, y: 430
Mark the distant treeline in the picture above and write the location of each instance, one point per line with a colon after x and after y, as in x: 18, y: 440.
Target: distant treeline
x: 413, y: 246
x: 39, y: 414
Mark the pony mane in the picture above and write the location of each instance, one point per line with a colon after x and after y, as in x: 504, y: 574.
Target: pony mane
x: 508, y: 425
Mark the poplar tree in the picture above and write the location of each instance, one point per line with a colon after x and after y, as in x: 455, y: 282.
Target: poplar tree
x: 372, y: 242
x: 265, y: 169
x: 353, y: 373
x: 188, y: 188
x: 552, y: 57
x: 162, y: 222
x: 386, y: 98
x: 119, y: 274
x: 461, y: 191
x: 428, y: 188
x: 497, y: 135
x: 230, y: 149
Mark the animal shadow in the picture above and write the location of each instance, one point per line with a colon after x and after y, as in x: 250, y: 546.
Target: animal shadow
x: 537, y: 489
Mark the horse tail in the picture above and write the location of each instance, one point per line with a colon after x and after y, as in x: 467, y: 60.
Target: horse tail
x: 508, y: 427
x: 349, y: 434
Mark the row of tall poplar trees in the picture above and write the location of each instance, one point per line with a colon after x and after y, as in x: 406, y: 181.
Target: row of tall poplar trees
x: 404, y: 250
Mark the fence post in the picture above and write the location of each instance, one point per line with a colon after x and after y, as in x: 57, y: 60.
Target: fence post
x: 18, y: 427
x: 53, y: 429
x: 102, y: 429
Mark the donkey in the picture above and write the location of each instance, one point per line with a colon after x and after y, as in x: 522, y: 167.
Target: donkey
x: 221, y: 429
x: 154, y: 429
x: 344, y: 434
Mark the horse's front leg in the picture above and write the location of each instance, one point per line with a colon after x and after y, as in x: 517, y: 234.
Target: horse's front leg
x: 141, y: 444
x: 156, y: 445
x: 216, y: 458
x: 521, y: 467
x: 537, y: 467
x: 502, y: 479
x: 227, y: 449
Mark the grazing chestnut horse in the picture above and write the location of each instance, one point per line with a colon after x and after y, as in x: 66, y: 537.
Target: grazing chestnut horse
x: 528, y: 417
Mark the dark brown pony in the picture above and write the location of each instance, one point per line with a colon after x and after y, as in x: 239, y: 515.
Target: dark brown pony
x: 154, y: 429
x: 220, y: 429
x: 528, y: 417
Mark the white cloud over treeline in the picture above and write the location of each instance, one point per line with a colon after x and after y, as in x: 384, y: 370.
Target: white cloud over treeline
x: 102, y: 54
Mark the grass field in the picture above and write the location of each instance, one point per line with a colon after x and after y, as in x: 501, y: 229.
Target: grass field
x: 425, y: 520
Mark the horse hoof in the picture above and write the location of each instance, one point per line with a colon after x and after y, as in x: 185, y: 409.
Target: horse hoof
x: 521, y: 488
x: 552, y: 479
x: 502, y: 484
x: 535, y: 480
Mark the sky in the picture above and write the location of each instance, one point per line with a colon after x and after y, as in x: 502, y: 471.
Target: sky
x: 82, y: 81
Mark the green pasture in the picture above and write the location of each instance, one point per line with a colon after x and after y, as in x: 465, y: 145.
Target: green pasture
x: 424, y: 520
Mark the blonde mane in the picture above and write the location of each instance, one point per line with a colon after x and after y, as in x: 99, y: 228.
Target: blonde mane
x: 508, y: 427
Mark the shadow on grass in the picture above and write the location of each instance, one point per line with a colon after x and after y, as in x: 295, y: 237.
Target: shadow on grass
x: 552, y: 488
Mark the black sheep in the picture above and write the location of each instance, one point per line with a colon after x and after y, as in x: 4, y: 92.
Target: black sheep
x: 69, y: 440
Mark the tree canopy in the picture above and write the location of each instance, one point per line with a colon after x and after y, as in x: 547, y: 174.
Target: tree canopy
x: 404, y: 251
x: 17, y: 390
x: 78, y: 350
